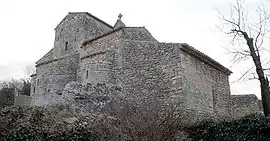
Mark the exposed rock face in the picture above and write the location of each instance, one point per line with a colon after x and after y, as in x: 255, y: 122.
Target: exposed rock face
x: 89, y: 97
x: 80, y: 98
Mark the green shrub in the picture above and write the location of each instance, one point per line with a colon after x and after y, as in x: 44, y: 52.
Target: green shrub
x: 254, y: 127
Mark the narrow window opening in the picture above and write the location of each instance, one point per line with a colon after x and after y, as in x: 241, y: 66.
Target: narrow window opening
x: 219, y: 76
x: 214, y: 98
x: 197, y: 65
x: 86, y: 74
x: 38, y: 82
x: 34, y: 89
x: 75, y: 39
x: 66, y: 45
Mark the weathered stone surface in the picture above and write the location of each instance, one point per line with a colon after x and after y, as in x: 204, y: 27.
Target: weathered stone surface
x: 88, y: 98
x: 243, y: 105
x: 80, y: 98
x: 53, y: 76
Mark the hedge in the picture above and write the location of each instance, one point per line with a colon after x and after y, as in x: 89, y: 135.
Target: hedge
x: 254, y: 127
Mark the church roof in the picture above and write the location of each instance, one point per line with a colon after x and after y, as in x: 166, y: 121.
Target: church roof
x: 88, y: 14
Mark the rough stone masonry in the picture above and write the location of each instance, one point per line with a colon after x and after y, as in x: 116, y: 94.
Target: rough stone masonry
x: 87, y: 50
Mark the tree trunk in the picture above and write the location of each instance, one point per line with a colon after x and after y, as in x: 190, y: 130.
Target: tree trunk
x: 265, y: 98
x: 264, y: 83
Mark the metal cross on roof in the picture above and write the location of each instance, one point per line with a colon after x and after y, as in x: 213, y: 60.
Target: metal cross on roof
x: 120, y: 16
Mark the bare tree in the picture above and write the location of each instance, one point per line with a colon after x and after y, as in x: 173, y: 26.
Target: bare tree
x: 252, y: 36
x: 29, y: 70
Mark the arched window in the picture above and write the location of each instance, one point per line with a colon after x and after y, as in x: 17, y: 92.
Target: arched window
x: 86, y: 74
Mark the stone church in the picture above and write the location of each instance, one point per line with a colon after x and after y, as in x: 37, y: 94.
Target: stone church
x: 89, y: 50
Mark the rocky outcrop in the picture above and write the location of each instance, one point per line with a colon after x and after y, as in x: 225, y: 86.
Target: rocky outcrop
x: 80, y: 98
x: 88, y: 97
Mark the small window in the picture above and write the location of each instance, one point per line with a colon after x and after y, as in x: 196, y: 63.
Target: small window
x: 75, y: 39
x: 34, y: 90
x: 219, y: 76
x: 86, y: 74
x: 38, y: 82
x: 197, y: 65
x: 66, y: 45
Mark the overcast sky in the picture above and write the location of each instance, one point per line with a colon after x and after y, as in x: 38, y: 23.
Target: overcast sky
x: 27, y: 28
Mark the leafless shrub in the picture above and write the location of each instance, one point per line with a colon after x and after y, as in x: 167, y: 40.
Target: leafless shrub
x: 146, y: 120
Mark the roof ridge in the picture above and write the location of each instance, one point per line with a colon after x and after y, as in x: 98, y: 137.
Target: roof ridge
x: 98, y: 19
x: 134, y: 27
x: 44, y: 55
x: 87, y: 13
x: 55, y: 59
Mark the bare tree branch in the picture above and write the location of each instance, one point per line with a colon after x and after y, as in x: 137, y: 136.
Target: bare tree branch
x: 244, y: 74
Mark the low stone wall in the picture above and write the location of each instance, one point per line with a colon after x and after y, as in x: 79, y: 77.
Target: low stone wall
x: 243, y: 105
x: 23, y: 100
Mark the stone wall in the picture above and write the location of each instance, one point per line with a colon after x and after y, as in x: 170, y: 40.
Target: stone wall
x: 166, y: 71
x: 197, y: 86
x: 98, y: 61
x: 146, y: 67
x: 53, y: 76
x: 243, y: 105
x: 206, y: 89
x: 23, y: 100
